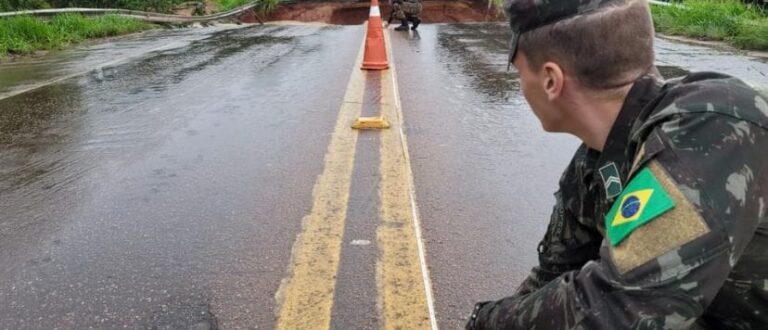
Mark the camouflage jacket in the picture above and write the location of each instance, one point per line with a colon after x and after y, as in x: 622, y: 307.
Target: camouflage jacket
x: 405, y: 9
x: 701, y: 264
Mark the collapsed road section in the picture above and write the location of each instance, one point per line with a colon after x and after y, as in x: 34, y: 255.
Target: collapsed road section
x: 356, y: 12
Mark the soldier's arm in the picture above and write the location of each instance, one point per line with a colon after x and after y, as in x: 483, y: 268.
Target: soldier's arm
x: 570, y: 240
x: 665, y: 273
x: 392, y: 12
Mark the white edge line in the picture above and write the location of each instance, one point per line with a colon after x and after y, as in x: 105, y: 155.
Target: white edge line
x: 412, y: 194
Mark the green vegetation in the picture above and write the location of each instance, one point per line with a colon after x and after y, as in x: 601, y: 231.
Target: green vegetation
x: 145, y: 5
x: 24, y: 34
x: 264, y: 6
x: 225, y: 5
x: 744, y: 26
x: 12, y: 5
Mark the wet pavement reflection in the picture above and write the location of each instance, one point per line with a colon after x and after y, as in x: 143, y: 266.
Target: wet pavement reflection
x: 29, y: 73
x: 144, y: 192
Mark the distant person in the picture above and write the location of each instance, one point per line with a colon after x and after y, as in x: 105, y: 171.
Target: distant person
x: 406, y: 11
x: 661, y: 219
x: 199, y: 9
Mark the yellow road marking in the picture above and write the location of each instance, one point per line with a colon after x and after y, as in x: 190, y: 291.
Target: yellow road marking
x: 404, y: 291
x: 306, y: 295
x: 402, y: 275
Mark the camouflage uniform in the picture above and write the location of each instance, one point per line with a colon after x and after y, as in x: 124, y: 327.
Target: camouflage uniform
x: 703, y: 264
x: 199, y: 9
x: 405, y: 11
x: 706, y: 137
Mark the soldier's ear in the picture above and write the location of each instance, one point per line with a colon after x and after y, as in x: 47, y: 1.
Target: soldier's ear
x: 552, y: 80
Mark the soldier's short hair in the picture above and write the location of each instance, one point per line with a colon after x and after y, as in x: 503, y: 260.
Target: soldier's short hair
x: 603, y: 49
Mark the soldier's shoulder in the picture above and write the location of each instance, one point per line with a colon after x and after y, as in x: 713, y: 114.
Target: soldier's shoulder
x: 709, y: 126
x: 715, y: 94
x: 705, y: 125
x: 693, y: 177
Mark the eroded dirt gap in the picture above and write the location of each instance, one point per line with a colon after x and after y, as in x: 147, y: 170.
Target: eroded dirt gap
x: 353, y: 13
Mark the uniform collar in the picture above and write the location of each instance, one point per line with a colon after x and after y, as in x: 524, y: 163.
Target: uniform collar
x: 616, y: 157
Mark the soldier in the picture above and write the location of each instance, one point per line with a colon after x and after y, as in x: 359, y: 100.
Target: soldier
x: 661, y: 219
x: 405, y: 11
x: 199, y: 9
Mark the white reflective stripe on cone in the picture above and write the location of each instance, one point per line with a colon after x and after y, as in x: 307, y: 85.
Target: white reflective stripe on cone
x: 375, y: 11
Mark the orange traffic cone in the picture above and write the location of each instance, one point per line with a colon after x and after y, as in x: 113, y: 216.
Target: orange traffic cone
x: 375, y: 51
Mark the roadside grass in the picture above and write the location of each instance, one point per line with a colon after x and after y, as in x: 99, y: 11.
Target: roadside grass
x: 744, y: 26
x: 225, y: 5
x: 162, y: 6
x: 25, y: 34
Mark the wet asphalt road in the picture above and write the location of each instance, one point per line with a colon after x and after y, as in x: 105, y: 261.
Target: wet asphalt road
x: 166, y: 192
x: 161, y: 180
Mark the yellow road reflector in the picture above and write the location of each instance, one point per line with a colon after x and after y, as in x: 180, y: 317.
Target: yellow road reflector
x: 371, y: 123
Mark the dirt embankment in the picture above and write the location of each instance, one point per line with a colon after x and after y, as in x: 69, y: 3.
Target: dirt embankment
x: 349, y: 13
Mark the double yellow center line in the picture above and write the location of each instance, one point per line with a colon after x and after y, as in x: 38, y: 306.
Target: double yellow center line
x: 306, y: 295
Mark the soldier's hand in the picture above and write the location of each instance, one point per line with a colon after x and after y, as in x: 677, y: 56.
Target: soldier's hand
x: 472, y: 323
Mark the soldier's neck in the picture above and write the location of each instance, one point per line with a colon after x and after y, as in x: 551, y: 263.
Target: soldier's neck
x: 595, y: 116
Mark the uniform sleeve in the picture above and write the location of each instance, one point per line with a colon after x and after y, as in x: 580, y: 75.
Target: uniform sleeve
x: 571, y: 238
x: 665, y: 273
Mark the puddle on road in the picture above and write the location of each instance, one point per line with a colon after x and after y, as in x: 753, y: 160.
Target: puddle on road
x: 690, y: 58
x: 481, y: 51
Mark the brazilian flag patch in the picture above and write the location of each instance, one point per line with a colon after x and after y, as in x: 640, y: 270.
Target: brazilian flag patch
x: 642, y: 200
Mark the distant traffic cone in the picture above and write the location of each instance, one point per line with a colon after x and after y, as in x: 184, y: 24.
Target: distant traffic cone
x: 375, y: 57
